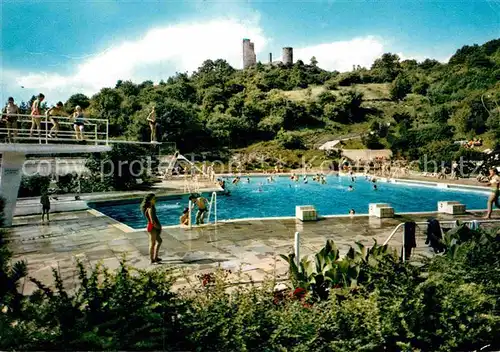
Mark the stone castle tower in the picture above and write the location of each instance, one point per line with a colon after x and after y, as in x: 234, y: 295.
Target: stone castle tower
x: 288, y: 56
x: 249, y: 58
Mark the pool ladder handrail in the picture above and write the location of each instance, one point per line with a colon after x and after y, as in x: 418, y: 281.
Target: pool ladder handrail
x: 213, y: 201
x: 451, y: 222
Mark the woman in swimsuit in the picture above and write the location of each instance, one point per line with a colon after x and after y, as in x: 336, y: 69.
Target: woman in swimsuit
x: 79, y: 123
x: 154, y: 227
x: 495, y: 191
x: 152, y: 124
x: 36, y: 119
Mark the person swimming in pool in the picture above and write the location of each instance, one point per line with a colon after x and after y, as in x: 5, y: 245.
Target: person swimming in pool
x: 350, y: 188
x: 184, y: 219
x: 352, y: 212
x: 236, y: 180
x: 375, y: 187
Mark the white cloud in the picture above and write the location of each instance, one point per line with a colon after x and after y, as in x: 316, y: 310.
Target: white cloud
x: 181, y: 47
x: 341, y: 55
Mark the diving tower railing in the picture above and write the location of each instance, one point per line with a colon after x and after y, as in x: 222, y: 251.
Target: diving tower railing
x: 95, y: 131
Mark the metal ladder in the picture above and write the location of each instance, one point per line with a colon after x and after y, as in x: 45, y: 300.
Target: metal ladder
x: 213, y: 201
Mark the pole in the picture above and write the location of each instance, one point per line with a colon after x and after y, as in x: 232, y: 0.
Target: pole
x: 107, y: 132
x: 210, y: 207
x: 297, y: 248
x: 46, y: 129
x: 404, y: 249
x: 190, y: 222
x: 215, y: 207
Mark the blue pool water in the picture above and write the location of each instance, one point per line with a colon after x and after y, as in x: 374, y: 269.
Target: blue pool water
x: 280, y: 197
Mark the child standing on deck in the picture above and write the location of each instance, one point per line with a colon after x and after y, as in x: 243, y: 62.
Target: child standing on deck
x: 45, y: 201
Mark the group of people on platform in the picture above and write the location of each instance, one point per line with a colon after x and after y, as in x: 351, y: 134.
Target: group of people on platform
x: 11, y: 112
x: 10, y: 116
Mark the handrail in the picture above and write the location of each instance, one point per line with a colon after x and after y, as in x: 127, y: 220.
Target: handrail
x: 190, y: 205
x: 43, y: 134
x: 212, y: 200
x: 52, y: 116
x: 479, y: 221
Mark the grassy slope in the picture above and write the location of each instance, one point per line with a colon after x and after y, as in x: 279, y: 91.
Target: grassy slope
x: 375, y: 97
x: 372, y: 91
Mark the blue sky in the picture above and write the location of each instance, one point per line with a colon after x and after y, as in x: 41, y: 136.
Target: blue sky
x: 63, y: 47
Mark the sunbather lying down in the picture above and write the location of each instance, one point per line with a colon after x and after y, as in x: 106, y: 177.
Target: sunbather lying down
x: 482, y: 178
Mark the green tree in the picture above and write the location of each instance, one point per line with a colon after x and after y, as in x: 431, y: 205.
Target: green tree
x: 77, y: 99
x: 386, y: 68
x: 107, y: 105
x: 120, y: 168
x: 400, y: 87
x: 33, y: 186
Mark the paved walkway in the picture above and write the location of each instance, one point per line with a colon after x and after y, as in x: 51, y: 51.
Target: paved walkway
x: 252, y: 246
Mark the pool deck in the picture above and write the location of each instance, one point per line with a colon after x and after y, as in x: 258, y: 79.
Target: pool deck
x: 250, y: 246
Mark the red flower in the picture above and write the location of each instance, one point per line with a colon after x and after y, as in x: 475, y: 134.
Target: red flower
x: 299, y: 293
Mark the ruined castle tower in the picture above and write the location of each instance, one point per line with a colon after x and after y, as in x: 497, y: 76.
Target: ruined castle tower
x: 249, y: 58
x: 287, y: 55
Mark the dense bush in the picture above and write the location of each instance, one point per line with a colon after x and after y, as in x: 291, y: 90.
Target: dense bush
x: 367, y: 300
x: 33, y: 186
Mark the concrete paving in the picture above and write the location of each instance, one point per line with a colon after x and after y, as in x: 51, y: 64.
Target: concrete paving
x: 250, y: 246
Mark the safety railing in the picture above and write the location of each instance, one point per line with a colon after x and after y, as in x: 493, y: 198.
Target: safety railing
x: 442, y: 222
x: 43, y: 129
x: 213, y: 204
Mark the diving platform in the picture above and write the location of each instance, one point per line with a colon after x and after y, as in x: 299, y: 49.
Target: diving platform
x: 44, y: 149
x: 55, y: 135
x: 21, y: 137
x: 13, y: 166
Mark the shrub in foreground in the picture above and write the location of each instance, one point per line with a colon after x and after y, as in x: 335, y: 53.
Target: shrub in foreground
x: 366, y: 301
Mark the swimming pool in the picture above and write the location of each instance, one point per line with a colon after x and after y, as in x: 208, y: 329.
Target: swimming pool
x: 259, y: 199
